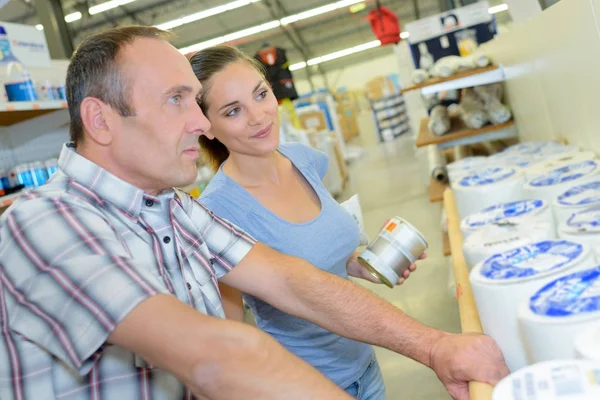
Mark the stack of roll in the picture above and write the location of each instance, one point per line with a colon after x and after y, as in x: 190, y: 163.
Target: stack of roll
x: 552, y: 380
x: 503, y: 281
x: 576, y: 199
x: 583, y: 226
x: 552, y: 317
x: 554, y: 182
x: 487, y: 188
x: 556, y: 161
x: 466, y: 166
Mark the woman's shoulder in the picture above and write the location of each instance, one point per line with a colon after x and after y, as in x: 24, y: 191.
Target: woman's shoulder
x: 305, y: 156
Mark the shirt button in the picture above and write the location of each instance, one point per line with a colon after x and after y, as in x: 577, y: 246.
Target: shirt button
x: 167, y: 240
x: 149, y: 203
x: 188, y: 286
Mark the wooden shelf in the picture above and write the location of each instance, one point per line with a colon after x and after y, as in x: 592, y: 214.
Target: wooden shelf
x: 436, y: 190
x: 18, y: 111
x: 446, y: 244
x: 469, y: 316
x: 456, y: 77
x: 458, y: 130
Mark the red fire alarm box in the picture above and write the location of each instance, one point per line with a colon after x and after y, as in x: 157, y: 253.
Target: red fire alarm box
x: 385, y: 25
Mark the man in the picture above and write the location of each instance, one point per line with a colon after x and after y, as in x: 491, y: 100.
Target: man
x: 103, y: 270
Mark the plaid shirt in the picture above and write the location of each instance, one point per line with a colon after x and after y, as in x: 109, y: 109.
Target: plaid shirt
x: 76, y: 256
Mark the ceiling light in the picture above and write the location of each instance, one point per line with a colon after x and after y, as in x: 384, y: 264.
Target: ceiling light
x: 73, y: 17
x: 358, y: 7
x: 205, y: 14
x: 497, y: 9
x: 109, y: 5
x: 268, y: 25
x: 39, y: 27
x: 404, y: 35
x: 336, y: 55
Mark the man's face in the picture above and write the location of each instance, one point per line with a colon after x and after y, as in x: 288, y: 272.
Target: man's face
x: 157, y: 148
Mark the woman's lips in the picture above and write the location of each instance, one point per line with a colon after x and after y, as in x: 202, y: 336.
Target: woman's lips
x: 264, y: 133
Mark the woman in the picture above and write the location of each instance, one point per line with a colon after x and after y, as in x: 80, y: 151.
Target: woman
x: 275, y: 193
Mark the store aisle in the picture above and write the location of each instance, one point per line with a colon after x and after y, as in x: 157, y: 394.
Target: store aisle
x: 389, y: 181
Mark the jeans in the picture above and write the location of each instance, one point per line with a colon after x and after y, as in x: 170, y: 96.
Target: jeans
x: 370, y: 385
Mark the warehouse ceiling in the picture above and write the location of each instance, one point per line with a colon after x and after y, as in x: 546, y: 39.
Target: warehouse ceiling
x: 313, y: 36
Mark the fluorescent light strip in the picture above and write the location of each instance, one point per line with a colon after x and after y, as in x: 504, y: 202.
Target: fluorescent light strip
x: 268, y: 26
x: 39, y: 27
x: 336, y: 55
x: 109, y: 5
x: 205, y: 14
x: 497, y: 9
x: 73, y: 17
x: 404, y: 35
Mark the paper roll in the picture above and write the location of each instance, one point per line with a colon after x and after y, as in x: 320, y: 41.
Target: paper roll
x: 498, y: 238
x: 507, y: 213
x: 583, y: 227
x: 587, y: 344
x: 491, y: 186
x: 551, y: 317
x: 437, y: 164
x: 552, y: 380
x: 576, y: 199
x: 502, y: 282
x: 550, y: 163
x: 557, y: 181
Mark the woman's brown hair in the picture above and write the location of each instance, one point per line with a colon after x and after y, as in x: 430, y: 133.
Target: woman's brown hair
x: 206, y: 63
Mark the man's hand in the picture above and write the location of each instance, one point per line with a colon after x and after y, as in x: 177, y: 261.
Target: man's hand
x: 356, y: 270
x: 459, y: 359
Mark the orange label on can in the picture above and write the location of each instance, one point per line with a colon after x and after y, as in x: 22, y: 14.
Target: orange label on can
x: 391, y: 226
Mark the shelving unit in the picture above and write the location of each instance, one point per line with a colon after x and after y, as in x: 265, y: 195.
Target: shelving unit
x: 460, y: 135
x: 436, y: 190
x: 14, y: 112
x: 480, y: 76
x: 390, y: 116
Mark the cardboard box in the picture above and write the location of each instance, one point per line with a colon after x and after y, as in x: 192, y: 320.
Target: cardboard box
x: 313, y: 120
x: 379, y: 87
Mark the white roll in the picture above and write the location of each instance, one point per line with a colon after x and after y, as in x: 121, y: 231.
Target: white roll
x: 583, y: 227
x: 550, y: 163
x: 544, y: 147
x: 498, y: 238
x: 587, y: 344
x: 486, y: 188
x: 502, y: 282
x: 466, y: 166
x: 507, y: 213
x: 557, y: 181
x: 553, y: 316
x: 576, y: 199
x: 552, y: 380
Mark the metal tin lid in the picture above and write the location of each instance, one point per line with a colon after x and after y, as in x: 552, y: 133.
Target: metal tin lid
x: 581, y: 195
x: 570, y: 295
x: 504, y: 211
x: 532, y: 260
x: 565, y: 174
x: 487, y: 177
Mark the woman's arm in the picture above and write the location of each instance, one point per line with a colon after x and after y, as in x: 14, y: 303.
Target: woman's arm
x: 232, y: 303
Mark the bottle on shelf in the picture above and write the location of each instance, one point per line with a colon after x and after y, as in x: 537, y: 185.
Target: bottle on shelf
x: 19, y: 85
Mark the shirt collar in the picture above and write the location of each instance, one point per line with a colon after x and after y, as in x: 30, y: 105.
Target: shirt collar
x: 103, y: 187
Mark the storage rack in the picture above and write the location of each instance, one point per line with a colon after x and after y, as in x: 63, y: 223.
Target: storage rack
x: 391, y: 118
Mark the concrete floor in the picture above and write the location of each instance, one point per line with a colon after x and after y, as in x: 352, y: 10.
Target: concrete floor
x: 389, y: 179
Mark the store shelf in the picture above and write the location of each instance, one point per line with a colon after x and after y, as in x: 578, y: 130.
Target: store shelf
x: 460, y: 135
x: 469, y: 316
x: 446, y: 244
x: 436, y: 190
x: 480, y: 76
x: 19, y: 111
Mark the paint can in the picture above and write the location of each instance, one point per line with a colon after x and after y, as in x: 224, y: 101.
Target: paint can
x: 398, y: 245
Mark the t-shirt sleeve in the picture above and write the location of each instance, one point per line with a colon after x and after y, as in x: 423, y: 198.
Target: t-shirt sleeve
x: 227, y: 243
x: 70, y: 279
x: 318, y: 160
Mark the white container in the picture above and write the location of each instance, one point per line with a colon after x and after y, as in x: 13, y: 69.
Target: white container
x: 494, y: 239
x: 557, y: 181
x: 506, y: 213
x: 553, y: 380
x: 583, y: 227
x: 502, y: 282
x: 541, y: 148
x: 553, y: 315
x: 587, y: 344
x: 576, y: 199
x: 550, y: 163
x: 475, y: 192
x: 466, y: 166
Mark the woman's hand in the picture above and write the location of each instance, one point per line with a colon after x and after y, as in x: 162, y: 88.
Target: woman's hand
x: 355, y: 269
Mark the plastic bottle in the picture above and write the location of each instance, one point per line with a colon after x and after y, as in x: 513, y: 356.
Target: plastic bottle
x: 19, y: 86
x: 6, y: 54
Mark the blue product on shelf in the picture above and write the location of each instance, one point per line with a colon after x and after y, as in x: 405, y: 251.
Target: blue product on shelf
x: 23, y: 175
x: 6, y: 53
x: 39, y: 174
x: 19, y: 86
x: 61, y: 92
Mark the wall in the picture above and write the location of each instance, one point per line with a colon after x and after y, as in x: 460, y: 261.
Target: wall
x: 552, y: 63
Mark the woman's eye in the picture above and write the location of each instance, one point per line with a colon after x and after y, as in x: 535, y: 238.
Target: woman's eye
x: 175, y: 99
x: 263, y: 94
x: 233, y: 112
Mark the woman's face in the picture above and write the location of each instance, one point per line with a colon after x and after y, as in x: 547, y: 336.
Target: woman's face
x: 243, y: 110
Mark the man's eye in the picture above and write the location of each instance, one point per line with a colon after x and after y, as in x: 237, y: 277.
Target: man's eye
x: 175, y: 99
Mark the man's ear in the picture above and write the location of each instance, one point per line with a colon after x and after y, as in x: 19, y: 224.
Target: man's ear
x: 97, y: 118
